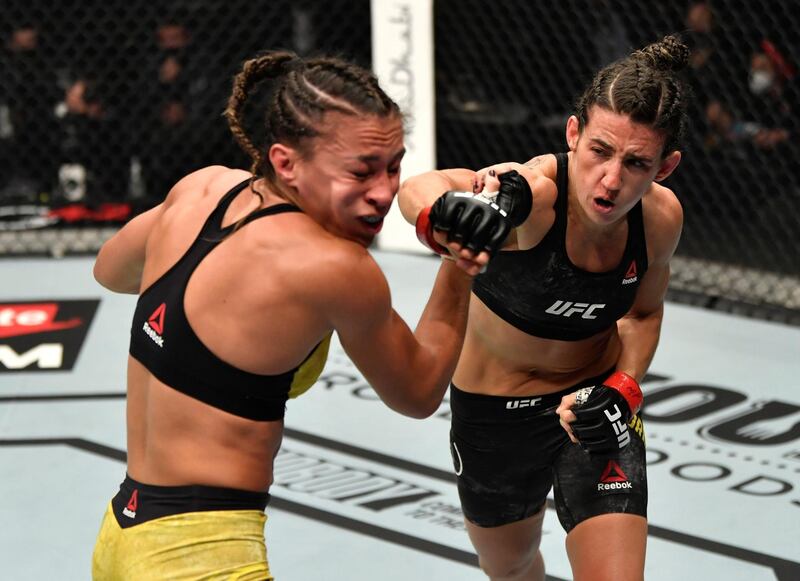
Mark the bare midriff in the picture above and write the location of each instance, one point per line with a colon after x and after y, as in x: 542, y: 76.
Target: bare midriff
x: 499, y: 359
x: 175, y: 440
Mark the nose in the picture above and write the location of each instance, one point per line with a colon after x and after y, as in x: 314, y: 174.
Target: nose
x: 612, y: 180
x: 383, y: 191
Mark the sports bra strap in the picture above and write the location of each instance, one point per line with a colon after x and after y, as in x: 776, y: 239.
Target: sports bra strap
x: 268, y: 211
x: 213, y: 224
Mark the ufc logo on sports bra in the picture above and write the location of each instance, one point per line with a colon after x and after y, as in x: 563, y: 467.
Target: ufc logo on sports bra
x: 568, y: 308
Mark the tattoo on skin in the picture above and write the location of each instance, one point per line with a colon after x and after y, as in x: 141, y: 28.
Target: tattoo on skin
x: 534, y: 162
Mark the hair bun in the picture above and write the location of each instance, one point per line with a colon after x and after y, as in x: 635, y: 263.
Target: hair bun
x: 668, y: 54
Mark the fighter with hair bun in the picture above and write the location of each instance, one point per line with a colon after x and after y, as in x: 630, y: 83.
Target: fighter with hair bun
x: 564, y: 324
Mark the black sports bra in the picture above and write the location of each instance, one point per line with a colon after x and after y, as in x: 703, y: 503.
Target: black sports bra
x: 542, y: 293
x: 163, y: 340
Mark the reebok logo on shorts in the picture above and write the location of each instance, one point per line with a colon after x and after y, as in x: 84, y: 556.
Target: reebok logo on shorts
x: 613, y: 479
x: 133, y: 503
x: 154, y: 326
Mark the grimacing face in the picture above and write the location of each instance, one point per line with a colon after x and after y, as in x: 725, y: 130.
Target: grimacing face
x: 352, y: 174
x: 614, y: 162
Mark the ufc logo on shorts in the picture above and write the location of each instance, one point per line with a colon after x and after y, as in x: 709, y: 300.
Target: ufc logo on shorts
x: 568, y: 308
x: 522, y: 403
x: 620, y: 427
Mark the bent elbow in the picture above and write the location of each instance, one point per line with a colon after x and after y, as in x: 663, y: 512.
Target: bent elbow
x: 426, y: 406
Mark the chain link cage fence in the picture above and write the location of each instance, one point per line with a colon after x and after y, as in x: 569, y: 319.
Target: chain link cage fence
x: 103, y: 105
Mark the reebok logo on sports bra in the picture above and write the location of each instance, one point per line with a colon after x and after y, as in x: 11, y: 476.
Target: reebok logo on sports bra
x: 154, y: 325
x: 631, y: 275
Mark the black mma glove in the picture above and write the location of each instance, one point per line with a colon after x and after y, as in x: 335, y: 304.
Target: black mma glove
x: 603, y: 412
x: 473, y: 221
x: 515, y: 197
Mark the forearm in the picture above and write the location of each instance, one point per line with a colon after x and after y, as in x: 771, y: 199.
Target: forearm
x: 421, y: 191
x: 639, y: 337
x: 440, y: 334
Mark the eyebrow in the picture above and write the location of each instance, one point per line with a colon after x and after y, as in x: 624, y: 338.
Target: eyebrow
x: 370, y: 158
x: 630, y: 156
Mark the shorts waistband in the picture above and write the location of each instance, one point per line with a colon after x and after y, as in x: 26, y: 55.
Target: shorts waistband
x: 137, y: 502
x: 467, y: 405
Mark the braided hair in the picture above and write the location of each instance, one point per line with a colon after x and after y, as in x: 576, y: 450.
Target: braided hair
x: 303, y: 91
x: 647, y: 86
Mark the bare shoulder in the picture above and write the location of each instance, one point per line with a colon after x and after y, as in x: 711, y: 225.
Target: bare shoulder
x: 541, y: 175
x: 663, y: 221
x: 544, y: 165
x: 210, y: 180
x: 341, y: 278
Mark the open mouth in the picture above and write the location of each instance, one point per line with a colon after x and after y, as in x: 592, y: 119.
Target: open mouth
x: 374, y: 223
x: 603, y: 204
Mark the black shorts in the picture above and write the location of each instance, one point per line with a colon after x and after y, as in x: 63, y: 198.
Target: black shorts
x: 508, y: 452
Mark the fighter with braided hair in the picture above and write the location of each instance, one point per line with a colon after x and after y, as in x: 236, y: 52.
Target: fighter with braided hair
x: 242, y: 278
x: 563, y: 326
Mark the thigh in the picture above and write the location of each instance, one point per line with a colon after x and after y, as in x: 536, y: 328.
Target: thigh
x: 507, y: 547
x: 502, y: 476
x: 608, y: 547
x: 587, y: 485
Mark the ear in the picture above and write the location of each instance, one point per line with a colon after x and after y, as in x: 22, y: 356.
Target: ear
x: 668, y: 166
x: 284, y: 161
x: 573, y: 132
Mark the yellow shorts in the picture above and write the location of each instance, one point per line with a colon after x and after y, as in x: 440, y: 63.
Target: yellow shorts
x: 193, y: 546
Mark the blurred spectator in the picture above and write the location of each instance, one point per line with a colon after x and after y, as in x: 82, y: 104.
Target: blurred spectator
x: 770, y: 80
x: 699, y: 37
x: 94, y: 161
x: 610, y: 35
x: 175, y: 136
x: 724, y: 130
x: 29, y: 93
x: 709, y: 68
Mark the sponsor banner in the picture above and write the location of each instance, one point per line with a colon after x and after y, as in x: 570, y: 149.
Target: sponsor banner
x: 717, y: 450
x: 402, y: 59
x: 375, y: 493
x: 712, y: 450
x: 43, y: 335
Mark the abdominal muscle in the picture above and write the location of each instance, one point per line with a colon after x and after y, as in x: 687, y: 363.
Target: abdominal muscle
x: 175, y: 440
x: 499, y: 359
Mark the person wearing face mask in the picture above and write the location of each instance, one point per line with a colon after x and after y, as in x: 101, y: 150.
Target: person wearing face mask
x: 762, y: 76
x: 563, y: 326
x: 242, y: 278
x: 767, y: 80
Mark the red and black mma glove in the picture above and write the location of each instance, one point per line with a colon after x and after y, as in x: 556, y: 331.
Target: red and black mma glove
x: 603, y: 412
x: 474, y: 222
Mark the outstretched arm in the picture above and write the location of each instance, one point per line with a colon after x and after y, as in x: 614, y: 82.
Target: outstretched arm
x: 410, y: 371
x: 422, y: 190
